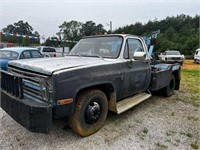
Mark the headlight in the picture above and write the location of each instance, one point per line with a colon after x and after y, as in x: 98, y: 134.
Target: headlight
x: 38, y: 90
x: 46, y: 90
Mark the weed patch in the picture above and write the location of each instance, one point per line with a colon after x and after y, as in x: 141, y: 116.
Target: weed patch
x: 194, y: 145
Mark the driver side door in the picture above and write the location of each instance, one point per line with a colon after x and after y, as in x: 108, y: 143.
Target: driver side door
x: 137, y: 72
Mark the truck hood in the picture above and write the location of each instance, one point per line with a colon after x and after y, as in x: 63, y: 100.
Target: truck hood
x: 51, y: 65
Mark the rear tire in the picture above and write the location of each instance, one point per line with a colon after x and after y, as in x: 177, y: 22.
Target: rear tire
x: 169, y: 89
x: 90, y: 112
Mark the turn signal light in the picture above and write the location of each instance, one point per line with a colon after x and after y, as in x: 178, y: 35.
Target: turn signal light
x: 64, y: 101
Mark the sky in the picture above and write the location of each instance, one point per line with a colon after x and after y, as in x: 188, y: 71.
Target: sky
x: 45, y: 16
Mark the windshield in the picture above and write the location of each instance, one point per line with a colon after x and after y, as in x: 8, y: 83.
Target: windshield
x: 8, y: 55
x: 173, y: 53
x: 105, y: 47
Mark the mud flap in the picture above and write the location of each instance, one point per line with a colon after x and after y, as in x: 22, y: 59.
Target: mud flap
x: 36, y: 117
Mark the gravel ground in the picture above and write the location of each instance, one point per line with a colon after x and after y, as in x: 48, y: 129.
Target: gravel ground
x: 158, y: 123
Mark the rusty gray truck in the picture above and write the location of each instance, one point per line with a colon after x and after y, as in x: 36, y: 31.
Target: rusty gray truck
x: 101, y: 73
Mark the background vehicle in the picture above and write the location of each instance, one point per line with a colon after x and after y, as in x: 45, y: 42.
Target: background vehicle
x: 101, y: 73
x: 15, y: 53
x: 49, y: 51
x: 6, y: 44
x: 197, y: 56
x: 172, y: 56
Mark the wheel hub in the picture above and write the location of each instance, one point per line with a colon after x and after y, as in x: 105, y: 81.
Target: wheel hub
x: 93, y: 113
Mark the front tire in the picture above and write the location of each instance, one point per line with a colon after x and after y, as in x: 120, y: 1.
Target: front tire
x: 169, y: 89
x: 90, y: 112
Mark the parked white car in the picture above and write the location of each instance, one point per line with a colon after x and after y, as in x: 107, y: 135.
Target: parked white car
x: 172, y: 56
x: 49, y: 51
x: 197, y: 56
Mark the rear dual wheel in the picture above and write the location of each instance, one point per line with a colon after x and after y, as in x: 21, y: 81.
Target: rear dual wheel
x: 169, y: 89
x: 90, y: 112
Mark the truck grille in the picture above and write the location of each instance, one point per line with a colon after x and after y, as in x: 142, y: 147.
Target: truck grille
x: 11, y: 84
x: 25, y: 85
x: 176, y: 58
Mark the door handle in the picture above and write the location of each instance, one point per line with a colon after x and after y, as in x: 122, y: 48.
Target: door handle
x: 119, y: 76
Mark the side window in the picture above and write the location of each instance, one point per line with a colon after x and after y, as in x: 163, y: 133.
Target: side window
x: 36, y: 54
x: 48, y: 49
x: 132, y: 46
x: 45, y: 49
x: 14, y: 55
x: 25, y: 55
x: 52, y: 50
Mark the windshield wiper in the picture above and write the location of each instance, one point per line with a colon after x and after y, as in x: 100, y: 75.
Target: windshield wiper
x: 77, y: 54
x: 98, y: 56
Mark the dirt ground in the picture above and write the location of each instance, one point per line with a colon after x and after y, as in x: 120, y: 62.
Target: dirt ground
x: 157, y: 124
x: 189, y: 64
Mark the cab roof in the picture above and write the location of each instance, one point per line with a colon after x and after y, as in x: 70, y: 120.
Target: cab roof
x: 108, y: 35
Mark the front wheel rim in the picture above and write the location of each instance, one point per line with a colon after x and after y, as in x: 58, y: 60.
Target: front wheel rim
x: 92, y: 113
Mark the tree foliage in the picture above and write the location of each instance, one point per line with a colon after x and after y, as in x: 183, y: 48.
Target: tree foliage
x: 180, y: 32
x: 54, y: 41
x: 22, y: 28
x: 19, y: 28
x: 70, y: 31
x: 90, y: 28
x: 75, y: 30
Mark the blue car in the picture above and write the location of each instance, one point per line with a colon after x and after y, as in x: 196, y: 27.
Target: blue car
x: 15, y: 53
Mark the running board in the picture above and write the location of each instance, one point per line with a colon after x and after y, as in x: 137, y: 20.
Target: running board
x: 127, y: 103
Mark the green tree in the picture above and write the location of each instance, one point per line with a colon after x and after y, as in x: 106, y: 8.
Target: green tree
x: 70, y: 31
x: 180, y: 32
x: 52, y: 41
x: 90, y: 28
x: 170, y: 33
x: 22, y: 28
x: 100, y: 29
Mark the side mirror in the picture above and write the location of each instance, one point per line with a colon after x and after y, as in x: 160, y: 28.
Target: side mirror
x: 139, y: 56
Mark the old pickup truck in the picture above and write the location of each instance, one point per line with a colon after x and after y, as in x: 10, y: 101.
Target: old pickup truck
x: 172, y: 56
x: 101, y: 73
